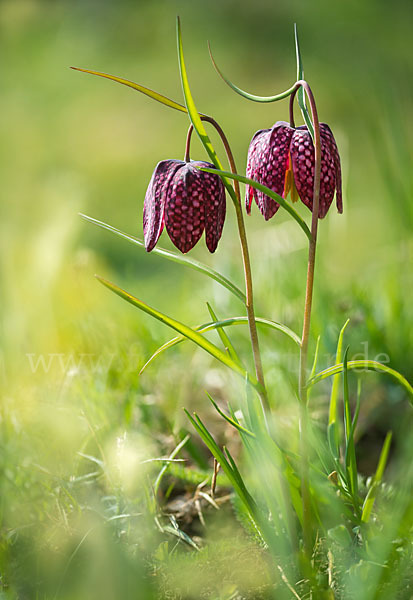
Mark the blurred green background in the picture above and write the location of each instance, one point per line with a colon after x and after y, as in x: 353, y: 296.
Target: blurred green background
x: 70, y: 352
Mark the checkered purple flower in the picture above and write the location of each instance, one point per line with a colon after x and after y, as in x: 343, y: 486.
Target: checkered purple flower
x: 282, y: 158
x: 186, y: 201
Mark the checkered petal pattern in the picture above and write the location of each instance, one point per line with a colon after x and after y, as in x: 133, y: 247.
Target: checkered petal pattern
x: 186, y: 201
x: 327, y: 138
x: 269, y: 156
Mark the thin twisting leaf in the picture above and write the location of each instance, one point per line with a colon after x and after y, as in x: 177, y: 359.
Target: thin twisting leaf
x: 189, y: 333
x: 366, y: 365
x: 175, y: 257
x: 136, y: 86
x: 241, y: 92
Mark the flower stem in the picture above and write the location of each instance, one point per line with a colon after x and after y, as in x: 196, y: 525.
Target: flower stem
x: 249, y: 303
x: 302, y: 378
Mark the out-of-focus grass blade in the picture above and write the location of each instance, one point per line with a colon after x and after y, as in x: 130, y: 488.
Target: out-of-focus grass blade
x: 135, y: 86
x: 266, y: 191
x: 189, y: 333
x: 224, y: 337
x: 372, y: 493
x: 350, y: 453
x: 241, y: 92
x: 180, y: 534
x: 367, y: 365
x: 165, y: 467
x: 301, y: 93
x: 231, y: 421
x: 173, y: 256
x: 313, y: 368
x: 225, y: 323
x: 317, y: 348
x: 333, y: 411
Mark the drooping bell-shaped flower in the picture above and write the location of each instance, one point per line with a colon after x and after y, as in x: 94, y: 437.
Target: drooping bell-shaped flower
x: 186, y: 201
x: 282, y: 158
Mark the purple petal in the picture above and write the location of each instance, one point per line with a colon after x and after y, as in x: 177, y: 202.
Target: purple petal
x: 267, y: 164
x: 302, y: 156
x: 185, y: 208
x: 154, y: 204
x: 328, y: 136
x: 252, y: 166
x: 274, y: 165
x: 215, y: 206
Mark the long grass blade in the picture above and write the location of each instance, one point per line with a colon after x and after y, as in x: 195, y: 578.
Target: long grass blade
x: 174, y: 257
x: 266, y: 191
x: 372, y: 493
x: 224, y: 323
x: 333, y: 411
x: 350, y: 453
x: 190, y: 104
x: 189, y: 333
x: 136, y: 86
x: 365, y: 365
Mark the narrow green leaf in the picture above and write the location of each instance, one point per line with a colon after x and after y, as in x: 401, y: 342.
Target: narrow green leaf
x: 190, y: 104
x: 333, y: 412
x: 234, y: 477
x: 225, y: 323
x: 224, y: 337
x: 174, y: 257
x: 195, y: 116
x: 266, y: 191
x: 180, y: 534
x: 231, y: 421
x: 179, y: 327
x: 140, y: 88
x: 241, y: 92
x: 301, y: 93
x: 367, y: 365
x: 372, y: 493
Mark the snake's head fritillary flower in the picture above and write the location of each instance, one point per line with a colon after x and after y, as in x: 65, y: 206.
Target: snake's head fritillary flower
x: 282, y: 158
x: 186, y: 201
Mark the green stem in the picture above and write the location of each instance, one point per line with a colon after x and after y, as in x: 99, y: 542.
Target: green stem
x: 249, y: 303
x: 302, y: 378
